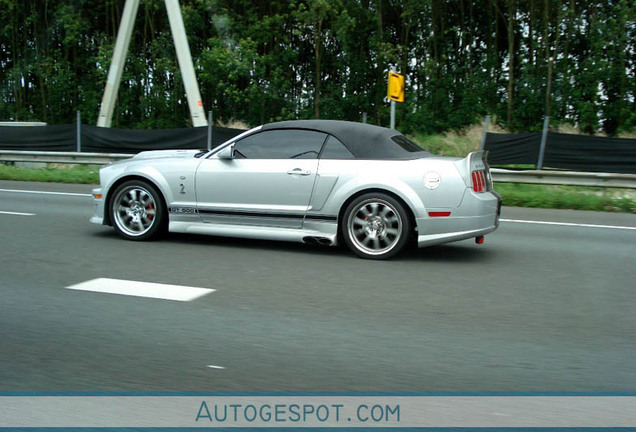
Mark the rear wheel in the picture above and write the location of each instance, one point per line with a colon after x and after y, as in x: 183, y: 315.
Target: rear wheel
x: 376, y: 226
x: 137, y: 211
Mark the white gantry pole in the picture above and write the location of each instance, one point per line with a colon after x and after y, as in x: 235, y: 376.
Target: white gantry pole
x: 117, y: 64
x: 185, y: 63
x: 183, y: 56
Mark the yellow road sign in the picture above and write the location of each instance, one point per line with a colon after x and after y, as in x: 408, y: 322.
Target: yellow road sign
x: 395, y: 91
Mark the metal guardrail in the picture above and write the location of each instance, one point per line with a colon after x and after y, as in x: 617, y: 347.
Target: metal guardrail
x: 61, y: 157
x: 546, y: 177
x: 565, y: 178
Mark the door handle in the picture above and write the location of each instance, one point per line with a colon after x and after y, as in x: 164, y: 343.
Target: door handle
x: 299, y: 172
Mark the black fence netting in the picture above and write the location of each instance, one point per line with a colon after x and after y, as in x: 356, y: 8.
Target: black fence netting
x: 107, y: 140
x: 588, y: 153
x: 43, y: 138
x: 564, y: 151
x: 506, y: 149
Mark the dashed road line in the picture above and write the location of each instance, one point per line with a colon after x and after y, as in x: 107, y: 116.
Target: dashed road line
x: 568, y: 224
x: 16, y: 213
x: 142, y: 289
x: 45, y: 192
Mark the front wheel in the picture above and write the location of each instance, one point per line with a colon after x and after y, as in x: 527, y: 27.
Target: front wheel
x: 137, y: 211
x: 376, y: 226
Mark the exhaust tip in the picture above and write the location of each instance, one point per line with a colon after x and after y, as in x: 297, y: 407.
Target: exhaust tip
x: 323, y: 241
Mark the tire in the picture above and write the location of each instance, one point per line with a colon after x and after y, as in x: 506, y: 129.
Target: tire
x: 137, y: 211
x: 376, y: 226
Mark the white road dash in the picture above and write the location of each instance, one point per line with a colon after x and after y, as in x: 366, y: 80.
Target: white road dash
x: 16, y: 213
x: 142, y: 289
x: 45, y: 192
x: 215, y: 367
x: 568, y: 224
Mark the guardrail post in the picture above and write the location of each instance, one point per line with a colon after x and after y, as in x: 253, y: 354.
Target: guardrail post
x: 482, y: 144
x: 544, y: 139
x: 79, y: 131
x: 209, y: 130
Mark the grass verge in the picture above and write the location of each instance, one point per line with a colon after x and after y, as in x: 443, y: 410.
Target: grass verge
x: 516, y: 195
x: 52, y: 173
x: 567, y: 197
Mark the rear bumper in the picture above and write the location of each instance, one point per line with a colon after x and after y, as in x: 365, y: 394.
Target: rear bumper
x: 478, y: 215
x: 433, y: 239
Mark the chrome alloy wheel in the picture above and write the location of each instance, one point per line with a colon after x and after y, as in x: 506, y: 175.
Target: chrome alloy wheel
x: 134, y: 210
x: 375, y: 227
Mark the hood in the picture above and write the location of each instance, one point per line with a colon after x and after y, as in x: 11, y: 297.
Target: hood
x: 161, y: 154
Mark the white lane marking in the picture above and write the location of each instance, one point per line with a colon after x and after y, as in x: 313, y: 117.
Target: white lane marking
x: 216, y: 367
x: 142, y: 289
x: 16, y: 213
x: 568, y: 224
x: 45, y: 192
x: 502, y: 220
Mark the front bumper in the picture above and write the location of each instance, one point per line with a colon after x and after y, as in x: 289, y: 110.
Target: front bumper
x: 98, y: 207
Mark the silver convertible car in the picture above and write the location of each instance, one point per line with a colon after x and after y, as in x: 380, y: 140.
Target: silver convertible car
x: 314, y: 181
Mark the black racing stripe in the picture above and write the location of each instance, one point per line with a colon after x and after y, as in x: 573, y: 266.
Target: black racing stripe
x: 322, y: 218
x: 251, y: 214
x: 268, y: 215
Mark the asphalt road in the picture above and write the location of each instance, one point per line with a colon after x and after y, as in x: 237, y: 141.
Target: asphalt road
x: 537, y: 308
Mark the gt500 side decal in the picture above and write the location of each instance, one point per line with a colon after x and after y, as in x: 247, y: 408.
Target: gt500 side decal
x: 184, y: 210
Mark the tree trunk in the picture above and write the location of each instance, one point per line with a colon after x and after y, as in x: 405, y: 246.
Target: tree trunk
x: 318, y: 83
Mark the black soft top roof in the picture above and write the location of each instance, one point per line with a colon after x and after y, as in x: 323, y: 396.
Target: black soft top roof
x: 364, y: 141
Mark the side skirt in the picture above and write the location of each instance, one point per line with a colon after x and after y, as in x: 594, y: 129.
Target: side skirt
x: 251, y: 232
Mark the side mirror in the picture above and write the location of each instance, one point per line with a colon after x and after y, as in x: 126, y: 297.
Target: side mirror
x: 227, y: 153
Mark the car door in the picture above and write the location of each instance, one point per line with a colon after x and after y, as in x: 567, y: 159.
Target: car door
x: 267, y: 182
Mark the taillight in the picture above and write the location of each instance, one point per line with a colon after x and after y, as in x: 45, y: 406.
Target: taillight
x: 479, y: 181
x: 439, y: 213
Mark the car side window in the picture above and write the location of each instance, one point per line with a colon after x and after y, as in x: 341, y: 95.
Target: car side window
x: 281, y: 144
x: 335, y: 149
